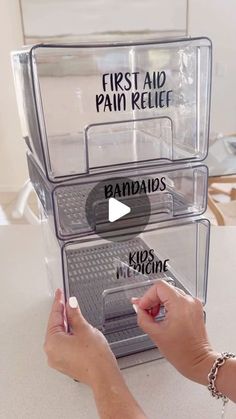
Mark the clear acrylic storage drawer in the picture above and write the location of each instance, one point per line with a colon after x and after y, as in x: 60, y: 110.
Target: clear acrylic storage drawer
x: 105, y: 274
x: 90, y: 108
x: 173, y: 191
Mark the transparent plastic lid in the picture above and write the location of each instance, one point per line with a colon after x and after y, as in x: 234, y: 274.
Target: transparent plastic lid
x: 91, y: 108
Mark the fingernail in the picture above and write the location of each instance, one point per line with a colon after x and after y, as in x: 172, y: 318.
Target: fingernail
x: 73, y: 303
x: 135, y: 299
x: 57, y: 293
x: 135, y: 307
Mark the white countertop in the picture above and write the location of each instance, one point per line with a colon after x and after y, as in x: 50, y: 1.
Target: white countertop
x: 30, y: 390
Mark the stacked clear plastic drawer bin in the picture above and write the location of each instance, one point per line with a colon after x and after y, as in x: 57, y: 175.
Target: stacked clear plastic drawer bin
x: 127, y: 121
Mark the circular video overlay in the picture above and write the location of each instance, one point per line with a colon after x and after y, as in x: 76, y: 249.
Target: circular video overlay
x: 118, y: 209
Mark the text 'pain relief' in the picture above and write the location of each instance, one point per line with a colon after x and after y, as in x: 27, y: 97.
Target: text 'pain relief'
x: 134, y: 91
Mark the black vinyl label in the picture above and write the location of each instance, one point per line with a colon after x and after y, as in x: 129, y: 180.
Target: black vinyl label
x: 142, y: 262
x: 133, y: 91
x: 135, y: 187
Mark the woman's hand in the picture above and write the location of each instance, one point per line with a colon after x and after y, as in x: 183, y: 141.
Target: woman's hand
x: 86, y: 356
x: 83, y: 355
x: 181, y: 336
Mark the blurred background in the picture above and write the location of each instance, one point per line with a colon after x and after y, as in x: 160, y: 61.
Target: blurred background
x: 30, y: 21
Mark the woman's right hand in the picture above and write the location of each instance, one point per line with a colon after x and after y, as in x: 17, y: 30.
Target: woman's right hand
x: 181, y: 336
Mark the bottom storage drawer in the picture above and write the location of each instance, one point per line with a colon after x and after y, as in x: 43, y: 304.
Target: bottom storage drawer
x: 104, y: 273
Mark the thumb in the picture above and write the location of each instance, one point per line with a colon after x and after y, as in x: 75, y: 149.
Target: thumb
x: 147, y: 323
x: 74, y: 316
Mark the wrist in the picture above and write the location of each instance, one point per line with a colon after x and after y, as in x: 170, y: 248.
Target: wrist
x: 203, y: 367
x: 112, y: 396
x: 105, y: 375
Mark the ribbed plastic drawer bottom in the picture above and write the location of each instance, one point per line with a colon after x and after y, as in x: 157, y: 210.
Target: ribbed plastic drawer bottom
x: 89, y: 274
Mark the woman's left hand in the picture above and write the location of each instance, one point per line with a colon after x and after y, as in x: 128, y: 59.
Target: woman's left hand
x: 83, y: 355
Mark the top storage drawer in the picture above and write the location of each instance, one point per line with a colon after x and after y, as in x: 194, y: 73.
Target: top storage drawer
x: 91, y: 108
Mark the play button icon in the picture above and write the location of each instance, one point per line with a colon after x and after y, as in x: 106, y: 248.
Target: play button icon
x: 117, y: 210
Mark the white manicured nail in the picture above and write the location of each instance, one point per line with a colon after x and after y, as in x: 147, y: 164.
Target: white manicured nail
x: 135, y: 308
x: 73, y: 303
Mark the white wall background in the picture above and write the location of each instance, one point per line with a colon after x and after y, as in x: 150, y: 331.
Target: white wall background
x: 217, y: 19
x: 47, y: 18
x: 73, y: 17
x: 13, y: 169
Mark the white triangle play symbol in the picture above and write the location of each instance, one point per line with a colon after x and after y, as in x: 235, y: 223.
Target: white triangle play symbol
x: 117, y: 209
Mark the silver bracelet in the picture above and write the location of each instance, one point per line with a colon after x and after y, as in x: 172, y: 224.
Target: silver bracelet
x: 212, y: 376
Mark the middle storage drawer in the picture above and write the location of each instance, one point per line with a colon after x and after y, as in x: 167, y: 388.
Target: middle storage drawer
x: 159, y: 193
